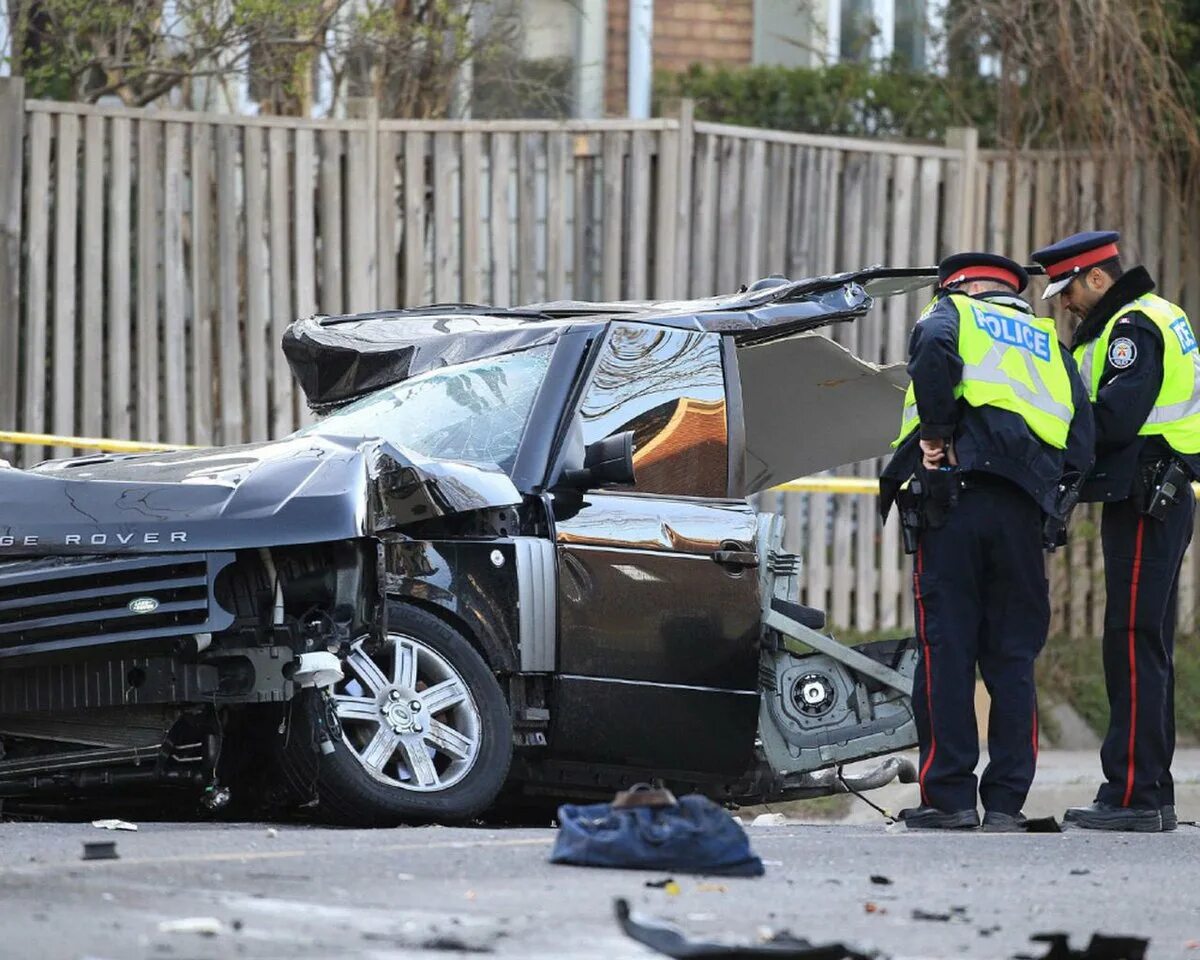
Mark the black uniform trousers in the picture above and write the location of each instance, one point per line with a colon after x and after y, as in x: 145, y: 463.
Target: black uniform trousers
x: 1142, y: 557
x: 981, y: 599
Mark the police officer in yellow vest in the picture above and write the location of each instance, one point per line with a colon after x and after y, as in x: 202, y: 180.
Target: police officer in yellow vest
x: 995, y: 419
x: 1138, y: 358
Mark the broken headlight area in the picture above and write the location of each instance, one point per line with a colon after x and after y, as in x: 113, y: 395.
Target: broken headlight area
x: 122, y: 672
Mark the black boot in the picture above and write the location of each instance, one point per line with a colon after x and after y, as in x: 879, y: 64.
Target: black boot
x: 1104, y: 816
x: 931, y: 818
x: 1170, y: 821
x: 996, y: 822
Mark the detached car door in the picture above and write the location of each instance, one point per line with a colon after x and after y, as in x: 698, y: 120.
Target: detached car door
x: 659, y: 606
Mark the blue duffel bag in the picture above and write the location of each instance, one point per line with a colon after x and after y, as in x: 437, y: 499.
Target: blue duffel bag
x: 690, y: 835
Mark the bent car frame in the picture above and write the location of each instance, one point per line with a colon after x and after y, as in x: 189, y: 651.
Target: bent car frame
x: 513, y: 561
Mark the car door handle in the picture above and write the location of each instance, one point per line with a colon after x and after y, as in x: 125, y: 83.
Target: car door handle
x: 735, y: 558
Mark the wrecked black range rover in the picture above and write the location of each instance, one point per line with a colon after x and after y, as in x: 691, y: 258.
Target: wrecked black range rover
x: 513, y: 559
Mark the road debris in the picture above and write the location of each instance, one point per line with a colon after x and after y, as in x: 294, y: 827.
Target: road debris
x: 1080, y: 872
x: 1102, y: 947
x: 114, y: 825
x: 689, y: 835
x: 202, y: 926
x: 668, y: 939
x: 100, y: 850
x: 880, y: 880
x: 872, y: 907
x: 1043, y: 825
x: 955, y: 913
x: 769, y: 820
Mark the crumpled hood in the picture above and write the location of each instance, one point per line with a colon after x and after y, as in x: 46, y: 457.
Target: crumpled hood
x: 305, y: 489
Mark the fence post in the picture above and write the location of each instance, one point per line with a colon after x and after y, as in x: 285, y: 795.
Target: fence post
x: 12, y: 154
x: 665, y: 191
x: 965, y: 140
x: 364, y: 258
x: 683, y: 198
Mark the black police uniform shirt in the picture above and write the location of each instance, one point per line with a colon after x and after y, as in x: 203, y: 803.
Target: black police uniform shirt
x: 1129, y: 385
x: 986, y: 439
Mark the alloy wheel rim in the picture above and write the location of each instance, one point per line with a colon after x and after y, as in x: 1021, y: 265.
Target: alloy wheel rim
x: 408, y: 715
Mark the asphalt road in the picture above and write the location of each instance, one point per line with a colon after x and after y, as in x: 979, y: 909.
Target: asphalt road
x: 298, y: 892
x: 383, y: 894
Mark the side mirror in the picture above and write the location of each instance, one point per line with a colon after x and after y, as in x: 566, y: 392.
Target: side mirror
x: 606, y: 461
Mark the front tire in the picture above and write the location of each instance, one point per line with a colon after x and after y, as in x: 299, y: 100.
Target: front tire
x: 426, y: 734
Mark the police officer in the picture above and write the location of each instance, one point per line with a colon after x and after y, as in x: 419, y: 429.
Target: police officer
x: 1138, y: 358
x: 995, y: 418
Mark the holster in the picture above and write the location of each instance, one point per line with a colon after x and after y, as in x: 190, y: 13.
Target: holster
x: 1159, y: 485
x: 1054, y: 527
x: 910, y: 504
x: 941, y: 494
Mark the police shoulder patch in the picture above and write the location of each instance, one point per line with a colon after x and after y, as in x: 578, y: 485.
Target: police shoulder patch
x: 1122, y: 352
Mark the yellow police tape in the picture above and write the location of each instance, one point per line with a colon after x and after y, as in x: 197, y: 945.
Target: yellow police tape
x: 835, y: 485
x: 88, y: 443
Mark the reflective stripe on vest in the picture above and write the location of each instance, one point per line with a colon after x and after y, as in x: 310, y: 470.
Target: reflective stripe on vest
x: 1176, y: 412
x: 1011, y: 361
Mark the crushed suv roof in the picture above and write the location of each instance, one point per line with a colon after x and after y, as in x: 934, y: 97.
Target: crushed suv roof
x: 337, y: 358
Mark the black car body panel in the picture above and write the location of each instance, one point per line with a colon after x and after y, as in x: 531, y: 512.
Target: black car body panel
x: 304, y: 489
x: 473, y: 583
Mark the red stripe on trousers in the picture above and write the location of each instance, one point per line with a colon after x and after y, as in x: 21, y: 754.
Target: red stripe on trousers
x: 928, y: 675
x: 1133, y: 592
x: 1035, y: 734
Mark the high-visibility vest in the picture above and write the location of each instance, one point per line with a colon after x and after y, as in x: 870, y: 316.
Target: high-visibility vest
x: 1176, y: 413
x: 1011, y: 361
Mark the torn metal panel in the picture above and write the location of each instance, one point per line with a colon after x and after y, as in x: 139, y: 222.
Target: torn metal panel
x: 668, y: 939
x: 810, y: 404
x: 339, y: 358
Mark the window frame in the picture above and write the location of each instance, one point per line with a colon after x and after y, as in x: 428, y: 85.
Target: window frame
x: 734, y: 431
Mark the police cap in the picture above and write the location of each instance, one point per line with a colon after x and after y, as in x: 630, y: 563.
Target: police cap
x: 960, y: 267
x: 1076, y: 254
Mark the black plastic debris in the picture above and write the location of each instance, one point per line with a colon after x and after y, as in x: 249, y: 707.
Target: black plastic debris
x: 1080, y: 872
x: 100, y: 850
x: 660, y: 884
x: 668, y: 939
x: 1043, y: 825
x: 880, y: 880
x: 1101, y: 948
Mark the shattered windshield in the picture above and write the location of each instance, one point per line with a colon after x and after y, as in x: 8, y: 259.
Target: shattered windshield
x: 472, y: 411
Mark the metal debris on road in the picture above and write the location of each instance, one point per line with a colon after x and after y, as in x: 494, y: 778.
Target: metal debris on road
x: 668, y: 939
x: 955, y: 913
x: 100, y: 850
x: 204, y: 926
x: 114, y: 825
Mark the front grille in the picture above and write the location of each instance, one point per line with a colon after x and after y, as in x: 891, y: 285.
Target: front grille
x: 61, y: 604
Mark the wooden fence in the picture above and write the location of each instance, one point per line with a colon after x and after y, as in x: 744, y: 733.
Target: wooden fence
x: 155, y: 258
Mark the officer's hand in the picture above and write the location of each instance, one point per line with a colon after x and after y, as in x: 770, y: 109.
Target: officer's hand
x: 933, y: 452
